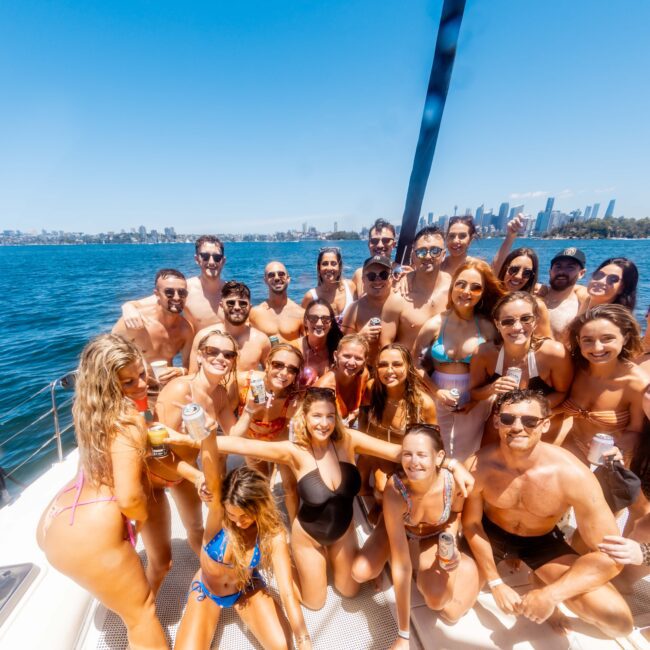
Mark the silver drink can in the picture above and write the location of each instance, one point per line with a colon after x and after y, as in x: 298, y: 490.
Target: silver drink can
x: 258, y: 390
x: 274, y: 339
x: 373, y: 322
x: 600, y: 443
x: 194, y: 420
x: 455, y: 393
x: 515, y: 373
x: 446, y: 549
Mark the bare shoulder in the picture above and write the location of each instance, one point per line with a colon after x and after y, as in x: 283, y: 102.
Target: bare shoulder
x: 176, y: 390
x: 638, y: 377
x: 394, y: 304
x: 573, y: 472
x: 487, y: 328
x: 487, y: 350
x: 554, y: 349
x: 483, y: 462
x: 327, y: 380
x: 258, y: 336
x: 194, y: 284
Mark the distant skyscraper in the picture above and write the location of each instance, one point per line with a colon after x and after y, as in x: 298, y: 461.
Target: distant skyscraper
x: 421, y: 223
x: 304, y: 228
x: 478, y: 219
x: 516, y: 210
x: 503, y: 215
x: 594, y: 211
x: 336, y: 227
x: 430, y: 219
x: 549, y: 204
x: 610, y: 209
x: 587, y: 212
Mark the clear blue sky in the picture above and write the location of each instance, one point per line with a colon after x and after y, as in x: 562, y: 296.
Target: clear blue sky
x: 258, y: 115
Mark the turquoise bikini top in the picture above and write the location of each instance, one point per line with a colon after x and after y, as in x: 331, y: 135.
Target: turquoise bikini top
x: 438, y: 352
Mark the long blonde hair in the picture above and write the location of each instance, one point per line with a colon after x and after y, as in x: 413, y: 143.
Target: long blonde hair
x: 100, y: 410
x: 248, y: 489
x: 301, y: 435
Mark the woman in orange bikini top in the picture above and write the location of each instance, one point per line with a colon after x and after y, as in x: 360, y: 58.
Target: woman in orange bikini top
x: 349, y: 376
x: 606, y: 393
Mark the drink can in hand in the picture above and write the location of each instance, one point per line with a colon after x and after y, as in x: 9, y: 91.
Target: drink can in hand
x: 446, y: 550
x: 194, y: 420
x: 455, y: 393
x: 258, y: 390
x: 515, y: 373
x: 274, y: 339
x: 600, y: 443
x: 156, y: 434
x: 373, y: 322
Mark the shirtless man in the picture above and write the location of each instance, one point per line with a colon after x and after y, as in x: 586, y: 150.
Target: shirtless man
x: 381, y: 242
x: 278, y: 315
x: 204, y: 291
x: 254, y: 345
x: 375, y: 294
x: 423, y: 291
x: 562, y: 296
x: 165, y: 332
x: 522, y: 488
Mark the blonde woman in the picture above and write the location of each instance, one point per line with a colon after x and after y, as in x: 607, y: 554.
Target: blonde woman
x: 86, y: 531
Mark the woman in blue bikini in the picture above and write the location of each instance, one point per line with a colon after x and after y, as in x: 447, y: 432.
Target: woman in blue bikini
x: 243, y: 534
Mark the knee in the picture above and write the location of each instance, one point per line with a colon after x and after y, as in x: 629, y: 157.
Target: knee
x: 347, y: 588
x: 141, y: 614
x: 434, y: 598
x: 361, y: 570
x: 161, y: 564
x: 619, y: 623
x: 314, y: 602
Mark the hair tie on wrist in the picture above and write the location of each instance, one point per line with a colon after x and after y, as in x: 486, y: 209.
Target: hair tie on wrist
x: 404, y: 634
x: 494, y: 583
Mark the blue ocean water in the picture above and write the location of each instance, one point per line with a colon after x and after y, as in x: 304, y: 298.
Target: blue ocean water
x: 58, y: 297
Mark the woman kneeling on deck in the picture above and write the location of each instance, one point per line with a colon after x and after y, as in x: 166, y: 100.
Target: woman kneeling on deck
x: 419, y: 504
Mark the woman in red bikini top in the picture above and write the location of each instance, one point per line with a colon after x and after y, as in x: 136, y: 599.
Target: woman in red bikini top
x: 348, y: 377
x: 108, y: 490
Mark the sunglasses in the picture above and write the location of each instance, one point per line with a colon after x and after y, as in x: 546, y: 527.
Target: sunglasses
x: 474, y: 289
x: 525, y: 273
x: 170, y: 293
x: 217, y: 257
x: 272, y: 274
x: 313, y: 319
x: 290, y: 368
x: 529, y: 421
x: 526, y: 319
x: 612, y: 278
x: 212, y: 353
x: 424, y: 252
x: 382, y: 275
x: 385, y: 241
x: 240, y: 303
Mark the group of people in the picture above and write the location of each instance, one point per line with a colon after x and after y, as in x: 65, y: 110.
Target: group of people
x: 460, y: 396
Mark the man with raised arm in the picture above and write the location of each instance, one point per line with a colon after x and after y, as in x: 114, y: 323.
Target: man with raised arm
x: 381, y: 242
x: 522, y: 488
x: 424, y: 291
x: 204, y: 290
x: 165, y: 332
x: 278, y: 315
x: 254, y: 345
x: 375, y: 296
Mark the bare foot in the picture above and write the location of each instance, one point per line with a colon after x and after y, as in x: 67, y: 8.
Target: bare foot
x: 559, y: 622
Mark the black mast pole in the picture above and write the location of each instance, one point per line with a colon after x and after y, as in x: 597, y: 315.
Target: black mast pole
x: 443, y: 62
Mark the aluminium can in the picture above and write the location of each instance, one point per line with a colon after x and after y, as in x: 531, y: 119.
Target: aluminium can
x: 600, y: 443
x: 515, y: 373
x: 156, y: 434
x: 258, y: 390
x: 194, y: 420
x: 373, y: 322
x: 446, y: 549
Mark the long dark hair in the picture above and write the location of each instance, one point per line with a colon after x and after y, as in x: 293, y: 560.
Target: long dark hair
x: 321, y: 253
x: 334, y: 335
x: 522, y: 252
x: 629, y: 281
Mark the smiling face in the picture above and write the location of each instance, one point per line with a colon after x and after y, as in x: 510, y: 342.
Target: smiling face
x: 458, y: 239
x: 516, y: 322
x: 318, y: 321
x: 217, y: 356
x: 428, y: 253
x: 282, y: 369
x: 376, y: 280
x: 172, y: 293
x: 236, y: 308
x: 600, y: 341
x: 467, y: 289
x: 211, y: 260
x: 419, y: 457
x: 320, y: 419
x: 350, y: 359
x: 329, y: 269
x: 238, y: 516
x: 133, y: 380
x: 516, y: 433
x: 381, y: 242
x: 564, y: 273
x: 518, y: 273
x: 392, y: 368
x: 606, y: 284
x: 276, y: 277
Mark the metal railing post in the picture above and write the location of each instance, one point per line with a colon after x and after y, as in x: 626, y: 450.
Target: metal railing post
x: 57, y: 431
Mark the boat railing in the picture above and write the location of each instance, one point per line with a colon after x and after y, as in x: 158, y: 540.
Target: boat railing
x: 57, y: 402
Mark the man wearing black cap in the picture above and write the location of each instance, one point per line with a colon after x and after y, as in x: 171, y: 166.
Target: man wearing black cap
x: 376, y: 275
x: 562, y: 297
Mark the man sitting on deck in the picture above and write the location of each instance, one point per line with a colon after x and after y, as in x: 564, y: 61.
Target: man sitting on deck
x: 523, y: 487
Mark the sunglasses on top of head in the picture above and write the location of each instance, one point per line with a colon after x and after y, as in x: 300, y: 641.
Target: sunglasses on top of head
x: 217, y: 257
x: 170, y: 293
x: 423, y: 252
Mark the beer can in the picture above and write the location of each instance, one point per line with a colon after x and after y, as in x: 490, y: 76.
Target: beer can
x: 373, y: 322
x: 258, y: 390
x: 455, y: 393
x: 157, y: 433
x: 600, y: 443
x: 274, y: 340
x: 515, y: 373
x: 194, y: 420
x: 446, y: 549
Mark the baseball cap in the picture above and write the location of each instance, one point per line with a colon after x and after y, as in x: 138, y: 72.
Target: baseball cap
x: 382, y: 260
x: 572, y: 253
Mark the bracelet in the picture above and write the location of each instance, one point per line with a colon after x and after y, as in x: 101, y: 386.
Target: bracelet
x: 494, y: 583
x: 645, y: 550
x: 248, y: 410
x: 403, y: 634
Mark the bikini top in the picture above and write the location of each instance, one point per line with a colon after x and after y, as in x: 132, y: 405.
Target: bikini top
x: 535, y: 382
x: 216, y: 549
x: 349, y: 299
x: 447, y: 498
x: 438, y: 352
x: 607, y: 420
x: 270, y: 427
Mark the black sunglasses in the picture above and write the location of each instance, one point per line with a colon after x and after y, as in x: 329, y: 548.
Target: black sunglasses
x: 423, y: 252
x: 217, y: 257
x: 211, y: 352
x: 529, y: 421
x: 382, y: 275
x: 385, y: 241
x: 525, y: 273
x: 170, y: 293
x: 290, y: 368
x: 313, y: 319
x: 235, y: 302
x: 272, y: 274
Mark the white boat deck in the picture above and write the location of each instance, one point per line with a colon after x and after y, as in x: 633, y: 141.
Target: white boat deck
x: 55, y: 613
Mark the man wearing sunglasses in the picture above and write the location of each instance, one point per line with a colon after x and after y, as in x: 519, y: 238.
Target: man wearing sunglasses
x: 254, y: 346
x: 204, y: 291
x: 381, y: 242
x: 165, y: 332
x: 423, y: 292
x: 523, y: 487
x: 358, y: 318
x: 278, y: 315
x: 563, y: 296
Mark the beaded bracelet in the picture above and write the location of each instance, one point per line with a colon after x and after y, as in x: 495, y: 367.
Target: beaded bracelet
x: 645, y: 550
